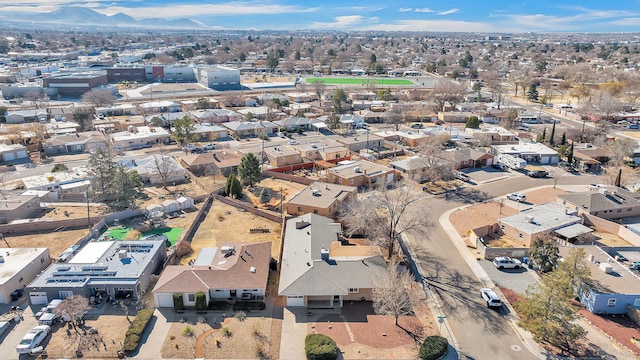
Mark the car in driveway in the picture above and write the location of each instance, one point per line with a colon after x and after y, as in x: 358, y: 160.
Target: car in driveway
x: 210, y: 146
x: 505, y: 262
x: 462, y: 176
x: 593, y: 187
x: 33, y: 338
x: 490, y: 297
x: 519, y: 197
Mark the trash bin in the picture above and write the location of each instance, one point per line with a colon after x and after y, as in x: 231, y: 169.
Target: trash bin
x: 525, y: 260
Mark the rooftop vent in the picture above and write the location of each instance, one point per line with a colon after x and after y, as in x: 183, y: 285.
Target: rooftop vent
x: 324, y: 254
x: 253, y: 269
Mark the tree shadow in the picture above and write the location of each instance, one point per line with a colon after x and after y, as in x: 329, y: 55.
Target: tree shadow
x: 465, y: 195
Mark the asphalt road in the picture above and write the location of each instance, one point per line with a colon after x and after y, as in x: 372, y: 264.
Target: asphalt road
x: 482, y: 333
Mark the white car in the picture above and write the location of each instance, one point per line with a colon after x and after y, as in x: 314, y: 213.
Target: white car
x: 490, y: 297
x: 505, y: 262
x: 33, y: 338
x: 4, y: 326
x: 593, y: 187
x: 519, y: 197
x: 210, y: 146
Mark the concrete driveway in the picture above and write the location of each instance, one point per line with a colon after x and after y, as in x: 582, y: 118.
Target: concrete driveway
x: 517, y: 280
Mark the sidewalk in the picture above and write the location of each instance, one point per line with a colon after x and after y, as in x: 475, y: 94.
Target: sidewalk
x: 154, y: 336
x: 294, y: 331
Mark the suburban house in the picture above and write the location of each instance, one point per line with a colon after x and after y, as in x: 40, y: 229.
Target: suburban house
x: 226, y: 161
x: 320, y: 198
x: 454, y: 116
x: 357, y: 143
x: 360, y: 173
x: 539, y: 220
x: 240, y: 129
x: 55, y: 182
x: 326, y: 149
x: 206, y: 132
x: 23, y: 116
x: 164, y: 106
x: 466, y: 158
x: 11, y: 152
x: 609, y: 202
x: 318, y: 271
x: 199, y: 164
x: 615, y: 288
x: 216, y: 116
x: 587, y: 157
x: 230, y: 272
x: 292, y: 124
x: 19, y: 267
x: 120, y: 269
x: 17, y: 207
x: 84, y: 142
x: 282, y: 155
x: 413, y: 167
x: 532, y: 152
x: 138, y: 137
x: 116, y: 110
x: 493, y: 135
x: 155, y: 168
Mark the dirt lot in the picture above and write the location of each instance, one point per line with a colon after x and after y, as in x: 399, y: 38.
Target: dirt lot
x: 243, y: 340
x: 111, y: 329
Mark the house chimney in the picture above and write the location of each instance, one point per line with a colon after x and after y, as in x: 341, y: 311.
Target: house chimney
x: 324, y: 254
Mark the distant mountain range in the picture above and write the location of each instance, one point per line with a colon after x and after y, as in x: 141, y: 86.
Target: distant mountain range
x: 80, y: 16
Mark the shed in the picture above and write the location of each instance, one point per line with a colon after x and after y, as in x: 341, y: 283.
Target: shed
x: 154, y: 208
x: 185, y: 202
x: 171, y: 206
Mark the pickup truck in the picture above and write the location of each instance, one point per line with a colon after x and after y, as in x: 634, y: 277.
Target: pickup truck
x: 538, y: 173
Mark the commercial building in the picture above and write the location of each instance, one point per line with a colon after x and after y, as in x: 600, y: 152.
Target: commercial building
x: 75, y: 84
x: 219, y: 77
x: 18, y: 267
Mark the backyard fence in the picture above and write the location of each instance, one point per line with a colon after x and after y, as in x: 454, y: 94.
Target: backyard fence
x: 248, y: 207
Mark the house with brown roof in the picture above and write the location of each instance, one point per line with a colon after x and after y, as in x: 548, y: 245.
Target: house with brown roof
x: 226, y: 161
x: 608, y: 202
x: 587, y: 157
x: 320, y: 198
x: 77, y: 143
x: 199, y: 164
x: 360, y: 173
x: 233, y: 272
x: 467, y: 158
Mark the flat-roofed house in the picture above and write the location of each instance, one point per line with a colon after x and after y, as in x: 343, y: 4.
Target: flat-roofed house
x: 320, y: 198
x: 360, y: 173
x: 19, y: 267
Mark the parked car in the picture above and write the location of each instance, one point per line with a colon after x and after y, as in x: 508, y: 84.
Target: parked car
x: 416, y: 126
x: 499, y: 166
x: 537, y: 173
x: 4, y: 326
x: 461, y: 176
x: 33, y: 338
x: 490, y: 297
x: 505, y: 262
x: 596, y: 186
x: 519, y: 197
x: 633, y: 127
x: 210, y: 146
x: 16, y: 294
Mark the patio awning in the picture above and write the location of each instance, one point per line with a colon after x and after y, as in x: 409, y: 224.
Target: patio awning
x: 571, y: 231
x: 319, y: 125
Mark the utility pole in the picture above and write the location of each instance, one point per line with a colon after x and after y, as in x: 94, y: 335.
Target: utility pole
x: 86, y: 195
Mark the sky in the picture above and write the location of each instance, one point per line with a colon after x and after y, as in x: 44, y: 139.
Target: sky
x: 385, y: 15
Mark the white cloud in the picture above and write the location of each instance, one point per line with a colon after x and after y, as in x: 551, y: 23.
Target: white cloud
x: 448, y: 12
x: 424, y: 10
x: 348, y: 21
x: 631, y: 21
x: 405, y: 9
x: 222, y: 9
x: 436, y: 25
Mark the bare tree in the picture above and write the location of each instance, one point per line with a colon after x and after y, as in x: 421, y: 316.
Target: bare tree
x: 319, y: 87
x: 164, y: 166
x: 37, y: 98
x: 395, y: 117
x: 621, y: 149
x: 385, y: 214
x: 100, y: 97
x: 557, y: 174
x: 434, y: 167
x: 447, y: 91
x: 389, y: 294
x: 232, y: 99
x: 72, y: 308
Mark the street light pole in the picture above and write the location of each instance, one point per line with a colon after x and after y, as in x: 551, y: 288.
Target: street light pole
x: 86, y: 195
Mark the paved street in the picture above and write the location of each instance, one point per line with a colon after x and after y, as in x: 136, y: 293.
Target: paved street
x: 481, y: 333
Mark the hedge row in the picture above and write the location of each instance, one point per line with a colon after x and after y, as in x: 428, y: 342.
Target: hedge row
x: 249, y: 305
x: 434, y: 347
x: 320, y: 347
x: 132, y: 337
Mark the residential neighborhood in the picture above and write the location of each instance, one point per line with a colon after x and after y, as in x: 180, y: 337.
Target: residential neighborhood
x: 241, y: 196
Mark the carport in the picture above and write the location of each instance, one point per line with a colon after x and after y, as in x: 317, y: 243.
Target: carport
x: 572, y: 231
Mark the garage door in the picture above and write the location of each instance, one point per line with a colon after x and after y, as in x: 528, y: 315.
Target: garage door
x: 164, y: 300
x: 296, y: 300
x: 22, y: 154
x: 9, y: 156
x: 38, y: 298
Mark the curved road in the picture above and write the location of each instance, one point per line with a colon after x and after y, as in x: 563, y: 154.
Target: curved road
x: 481, y: 333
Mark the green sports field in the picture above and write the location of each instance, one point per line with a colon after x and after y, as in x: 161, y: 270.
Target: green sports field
x: 120, y: 233
x: 359, y: 81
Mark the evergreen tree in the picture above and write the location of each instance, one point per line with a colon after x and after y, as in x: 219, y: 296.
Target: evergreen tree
x: 563, y: 139
x: 265, y: 196
x: 473, y: 122
x: 532, y: 94
x: 184, y: 130
x: 125, y: 187
x: 233, y: 187
x: 544, y: 134
x: 249, y: 170
x: 570, y: 156
x: 100, y: 169
x: 545, y: 253
x: 552, y: 135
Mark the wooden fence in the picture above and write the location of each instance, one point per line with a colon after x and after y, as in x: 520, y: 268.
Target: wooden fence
x: 248, y: 207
